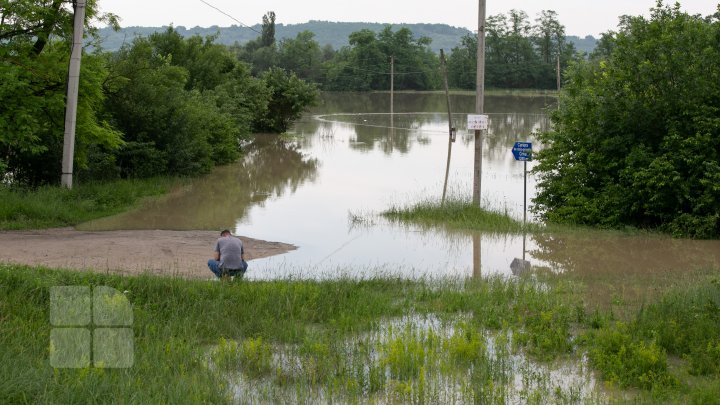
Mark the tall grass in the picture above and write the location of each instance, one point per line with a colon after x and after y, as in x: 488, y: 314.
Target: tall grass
x: 176, y: 321
x: 340, y: 340
x: 457, y: 214
x: 53, y: 206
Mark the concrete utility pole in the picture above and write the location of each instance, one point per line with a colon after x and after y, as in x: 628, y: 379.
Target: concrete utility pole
x: 72, y: 95
x: 479, y: 102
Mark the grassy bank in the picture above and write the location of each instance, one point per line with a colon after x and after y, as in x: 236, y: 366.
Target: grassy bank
x: 389, y: 340
x: 53, y: 206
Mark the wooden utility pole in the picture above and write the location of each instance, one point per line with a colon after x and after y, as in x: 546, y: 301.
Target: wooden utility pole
x: 451, y: 130
x: 66, y: 178
x: 479, y: 103
x: 558, y: 72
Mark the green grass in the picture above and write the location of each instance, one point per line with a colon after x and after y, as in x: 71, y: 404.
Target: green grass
x: 458, y: 214
x: 394, y: 340
x: 53, y: 206
x: 462, y: 214
x: 177, y: 321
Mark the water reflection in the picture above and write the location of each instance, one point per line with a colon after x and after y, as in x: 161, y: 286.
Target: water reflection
x: 271, y: 168
x: 396, y: 132
x: 373, y: 363
x: 610, y: 252
x: 621, y: 268
x: 375, y: 102
x: 350, y: 159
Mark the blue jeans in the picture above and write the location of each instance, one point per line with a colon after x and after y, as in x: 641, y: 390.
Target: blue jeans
x: 214, y: 266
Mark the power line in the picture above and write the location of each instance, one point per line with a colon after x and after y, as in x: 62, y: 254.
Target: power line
x: 235, y: 19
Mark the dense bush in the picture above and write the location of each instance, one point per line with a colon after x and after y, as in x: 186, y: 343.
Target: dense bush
x: 636, y: 140
x: 288, y: 97
x: 162, y: 105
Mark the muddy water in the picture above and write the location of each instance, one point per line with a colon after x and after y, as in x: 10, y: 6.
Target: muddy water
x: 349, y: 159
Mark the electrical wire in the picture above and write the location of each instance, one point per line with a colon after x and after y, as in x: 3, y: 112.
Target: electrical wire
x: 233, y: 18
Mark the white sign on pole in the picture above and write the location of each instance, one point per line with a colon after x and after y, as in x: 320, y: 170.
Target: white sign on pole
x: 477, y: 121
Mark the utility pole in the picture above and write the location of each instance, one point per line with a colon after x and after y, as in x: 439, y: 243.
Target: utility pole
x: 451, y: 130
x: 479, y: 102
x: 72, y: 95
x: 558, y: 72
x: 392, y: 85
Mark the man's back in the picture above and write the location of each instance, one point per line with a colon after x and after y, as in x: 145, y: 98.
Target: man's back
x: 231, y: 250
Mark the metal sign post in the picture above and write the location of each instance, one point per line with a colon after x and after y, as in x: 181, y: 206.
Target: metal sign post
x: 524, y: 191
x: 522, y: 151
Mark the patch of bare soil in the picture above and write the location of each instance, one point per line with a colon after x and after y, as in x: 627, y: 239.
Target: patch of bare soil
x: 170, y: 253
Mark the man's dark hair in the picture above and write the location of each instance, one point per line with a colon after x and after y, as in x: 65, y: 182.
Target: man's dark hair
x: 225, y: 232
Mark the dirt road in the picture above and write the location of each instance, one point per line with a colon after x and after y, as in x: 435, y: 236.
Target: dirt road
x: 178, y: 253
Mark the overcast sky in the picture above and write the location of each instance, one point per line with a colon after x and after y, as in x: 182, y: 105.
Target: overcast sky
x: 580, y: 17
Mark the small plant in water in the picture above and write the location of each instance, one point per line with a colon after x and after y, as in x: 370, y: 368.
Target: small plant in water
x: 256, y: 357
x: 226, y: 355
x: 466, y: 346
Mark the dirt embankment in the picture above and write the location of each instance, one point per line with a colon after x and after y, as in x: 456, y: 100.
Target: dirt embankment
x: 175, y: 253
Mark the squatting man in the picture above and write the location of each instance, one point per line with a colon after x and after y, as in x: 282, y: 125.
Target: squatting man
x: 229, y: 258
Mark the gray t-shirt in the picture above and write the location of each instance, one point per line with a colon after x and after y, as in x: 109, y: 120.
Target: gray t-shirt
x: 231, y: 250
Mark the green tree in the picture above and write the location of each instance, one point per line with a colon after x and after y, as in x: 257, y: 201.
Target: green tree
x: 35, y: 40
x: 289, y: 96
x: 301, y: 55
x: 170, y: 127
x: 360, y: 65
x: 208, y: 64
x: 549, y: 36
x: 267, y: 37
x: 462, y: 63
x: 551, y: 44
x: 517, y: 54
x: 365, y: 63
x: 636, y: 140
x: 511, y: 60
x: 261, y: 53
x: 416, y: 66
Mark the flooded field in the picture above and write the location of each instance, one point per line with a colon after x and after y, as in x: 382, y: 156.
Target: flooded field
x: 322, y: 186
x: 413, y: 359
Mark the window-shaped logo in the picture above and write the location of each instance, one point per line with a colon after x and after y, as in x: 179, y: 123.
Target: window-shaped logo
x: 90, y: 326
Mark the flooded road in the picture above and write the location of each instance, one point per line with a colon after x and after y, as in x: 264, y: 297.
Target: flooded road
x: 322, y: 187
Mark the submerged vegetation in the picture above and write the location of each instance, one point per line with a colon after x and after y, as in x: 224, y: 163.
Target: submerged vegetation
x: 473, y: 340
x: 459, y: 214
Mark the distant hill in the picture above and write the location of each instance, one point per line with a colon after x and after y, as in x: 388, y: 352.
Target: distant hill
x: 330, y: 33
x: 583, y: 45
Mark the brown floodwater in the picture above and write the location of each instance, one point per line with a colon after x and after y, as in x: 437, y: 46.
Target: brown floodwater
x: 348, y: 159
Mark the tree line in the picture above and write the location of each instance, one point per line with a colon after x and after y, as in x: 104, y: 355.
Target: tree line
x: 519, y: 54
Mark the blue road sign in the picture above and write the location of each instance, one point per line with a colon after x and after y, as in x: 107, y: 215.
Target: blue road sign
x: 522, y: 151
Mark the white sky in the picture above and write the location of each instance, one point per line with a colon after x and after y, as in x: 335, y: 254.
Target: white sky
x: 580, y: 17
